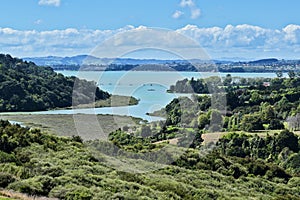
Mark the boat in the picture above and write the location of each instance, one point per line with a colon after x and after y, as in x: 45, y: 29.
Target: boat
x: 151, y: 89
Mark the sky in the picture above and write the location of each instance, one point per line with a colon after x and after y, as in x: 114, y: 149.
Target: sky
x: 223, y: 28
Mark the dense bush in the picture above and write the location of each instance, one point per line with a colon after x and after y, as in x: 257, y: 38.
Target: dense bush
x: 27, y: 87
x: 67, y: 169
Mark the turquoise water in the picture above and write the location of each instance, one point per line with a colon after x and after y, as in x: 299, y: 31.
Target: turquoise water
x: 129, y: 82
x: 147, y: 86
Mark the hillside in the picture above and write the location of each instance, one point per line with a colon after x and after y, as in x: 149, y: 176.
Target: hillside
x: 41, y: 164
x: 25, y: 86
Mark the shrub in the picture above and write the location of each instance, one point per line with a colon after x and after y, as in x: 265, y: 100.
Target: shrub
x: 6, y: 179
x: 28, y: 186
x: 71, y: 192
x: 5, y: 157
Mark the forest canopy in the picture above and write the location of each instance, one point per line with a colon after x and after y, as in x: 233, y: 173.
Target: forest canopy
x: 28, y: 87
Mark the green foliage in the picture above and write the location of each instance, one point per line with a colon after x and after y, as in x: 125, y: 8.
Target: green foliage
x: 64, y: 168
x: 287, y: 139
x: 6, y: 157
x: 228, y: 80
x: 203, y: 120
x: 27, y: 87
x: 28, y: 186
x: 276, y: 124
x: 252, y: 122
x: 71, y: 192
x: 259, y: 102
x: 242, y: 145
x: 293, y: 163
x: 190, y: 86
x: 6, y: 179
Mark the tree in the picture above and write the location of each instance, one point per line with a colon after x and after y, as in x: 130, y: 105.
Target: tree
x: 276, y: 124
x: 216, y: 120
x: 279, y: 74
x: 287, y: 139
x: 197, y: 139
x: 6, y: 179
x: 216, y: 117
x: 252, y: 122
x: 255, y: 98
x: 146, y: 131
x: 267, y: 112
x: 294, y: 122
x: 203, y: 120
x: 293, y: 162
x: 228, y: 80
x: 291, y: 74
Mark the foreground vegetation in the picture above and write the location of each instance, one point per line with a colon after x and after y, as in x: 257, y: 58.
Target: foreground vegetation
x: 41, y: 164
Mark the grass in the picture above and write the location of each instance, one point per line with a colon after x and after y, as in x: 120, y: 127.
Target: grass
x: 113, y: 101
x: 68, y: 125
x: 87, y: 126
x: 4, y: 198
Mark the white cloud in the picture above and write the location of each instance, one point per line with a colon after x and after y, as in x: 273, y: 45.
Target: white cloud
x: 292, y: 33
x: 188, y: 3
x: 177, y: 14
x: 49, y: 3
x: 39, y: 21
x: 195, y: 13
x: 246, y: 39
x: 230, y: 41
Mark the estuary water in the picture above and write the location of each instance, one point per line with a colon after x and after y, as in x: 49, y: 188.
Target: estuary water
x: 147, y: 86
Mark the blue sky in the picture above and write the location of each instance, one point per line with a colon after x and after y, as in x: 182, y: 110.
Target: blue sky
x: 225, y: 28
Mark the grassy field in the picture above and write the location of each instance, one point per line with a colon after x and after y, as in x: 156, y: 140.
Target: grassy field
x: 87, y: 126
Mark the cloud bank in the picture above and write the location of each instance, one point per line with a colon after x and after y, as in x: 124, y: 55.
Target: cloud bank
x: 244, y: 40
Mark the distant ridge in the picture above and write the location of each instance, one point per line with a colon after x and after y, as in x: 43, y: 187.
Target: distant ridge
x: 91, y: 63
x: 265, y: 61
x: 91, y: 60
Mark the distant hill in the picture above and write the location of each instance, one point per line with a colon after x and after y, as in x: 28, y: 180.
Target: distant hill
x: 91, y: 60
x: 264, y: 61
x: 26, y: 87
x: 90, y: 63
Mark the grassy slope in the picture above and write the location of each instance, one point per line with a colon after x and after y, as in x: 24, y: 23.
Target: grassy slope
x: 70, y: 169
x: 102, y: 182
